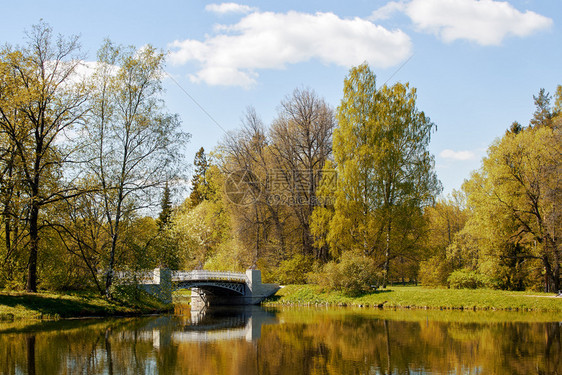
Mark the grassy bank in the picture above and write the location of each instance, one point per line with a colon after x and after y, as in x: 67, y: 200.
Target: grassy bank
x: 49, y: 305
x: 420, y: 297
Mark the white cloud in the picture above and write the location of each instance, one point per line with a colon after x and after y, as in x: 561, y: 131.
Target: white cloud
x: 267, y: 40
x: 229, y: 8
x: 486, y: 22
x: 387, y: 10
x: 457, y: 155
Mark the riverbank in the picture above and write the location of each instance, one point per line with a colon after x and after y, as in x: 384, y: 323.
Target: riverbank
x: 415, y: 297
x: 52, y: 305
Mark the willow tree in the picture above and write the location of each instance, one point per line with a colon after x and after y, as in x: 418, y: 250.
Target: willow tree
x: 385, y: 172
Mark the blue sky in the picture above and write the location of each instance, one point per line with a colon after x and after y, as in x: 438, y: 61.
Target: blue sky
x: 475, y: 63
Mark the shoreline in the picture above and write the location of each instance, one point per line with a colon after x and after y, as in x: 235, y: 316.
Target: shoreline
x: 48, y: 306
x: 420, y: 298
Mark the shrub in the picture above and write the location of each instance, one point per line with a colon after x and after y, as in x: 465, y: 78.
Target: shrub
x: 467, y: 279
x: 294, y: 270
x: 353, y: 274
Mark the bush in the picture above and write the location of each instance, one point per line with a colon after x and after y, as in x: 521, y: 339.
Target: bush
x: 353, y: 274
x: 466, y: 279
x: 294, y: 270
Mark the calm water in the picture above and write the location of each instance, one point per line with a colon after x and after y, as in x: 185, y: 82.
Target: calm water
x: 288, y: 341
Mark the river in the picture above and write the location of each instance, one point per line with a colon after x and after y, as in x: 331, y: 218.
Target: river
x: 288, y: 341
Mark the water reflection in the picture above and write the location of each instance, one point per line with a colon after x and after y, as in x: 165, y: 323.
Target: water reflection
x: 208, y: 325
x: 287, y: 341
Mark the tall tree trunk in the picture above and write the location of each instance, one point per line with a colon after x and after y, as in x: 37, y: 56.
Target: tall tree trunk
x: 387, y: 256
x: 556, y: 272
x: 111, y: 266
x: 547, y: 274
x: 115, y: 227
x: 33, y: 250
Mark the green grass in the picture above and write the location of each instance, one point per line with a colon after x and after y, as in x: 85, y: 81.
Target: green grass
x: 50, y: 305
x: 420, y: 297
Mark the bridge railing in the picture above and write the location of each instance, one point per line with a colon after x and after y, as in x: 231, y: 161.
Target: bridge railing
x: 142, y: 277
x: 209, y: 275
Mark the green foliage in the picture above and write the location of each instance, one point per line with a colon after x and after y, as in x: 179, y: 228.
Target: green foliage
x: 353, y: 274
x: 165, y: 207
x: 467, y: 279
x: 199, y: 183
x: 385, y: 173
x: 294, y: 270
x: 435, y: 271
x: 228, y: 256
x: 516, y: 202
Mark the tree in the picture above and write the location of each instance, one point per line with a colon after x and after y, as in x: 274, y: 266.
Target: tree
x: 543, y: 112
x: 385, y: 173
x: 516, y: 201
x: 198, y: 181
x: 245, y: 163
x: 39, y: 104
x: 166, y: 207
x: 136, y: 146
x: 444, y: 221
x: 203, y: 232
x: 301, y: 143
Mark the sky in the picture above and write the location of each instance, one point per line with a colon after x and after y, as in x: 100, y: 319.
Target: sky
x: 476, y: 64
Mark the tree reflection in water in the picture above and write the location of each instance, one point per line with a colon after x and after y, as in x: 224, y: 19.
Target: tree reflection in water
x: 287, y: 341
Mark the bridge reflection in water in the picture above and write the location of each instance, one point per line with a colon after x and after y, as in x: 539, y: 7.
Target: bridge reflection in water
x: 211, y: 324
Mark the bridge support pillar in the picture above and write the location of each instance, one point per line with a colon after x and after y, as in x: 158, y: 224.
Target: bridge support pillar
x: 198, y: 299
x: 163, y: 278
x: 254, y: 277
x: 254, y: 291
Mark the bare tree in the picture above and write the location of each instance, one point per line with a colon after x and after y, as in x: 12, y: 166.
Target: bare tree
x: 301, y: 142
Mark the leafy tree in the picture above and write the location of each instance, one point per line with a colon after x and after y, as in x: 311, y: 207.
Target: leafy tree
x: 202, y: 232
x: 79, y: 226
x: 444, y: 220
x: 136, y: 145
x: 39, y: 105
x: 385, y: 173
x: 516, y: 202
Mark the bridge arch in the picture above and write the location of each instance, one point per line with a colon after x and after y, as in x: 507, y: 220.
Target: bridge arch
x: 213, y: 287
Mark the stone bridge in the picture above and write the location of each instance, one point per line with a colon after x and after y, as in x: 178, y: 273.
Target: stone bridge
x: 208, y: 288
